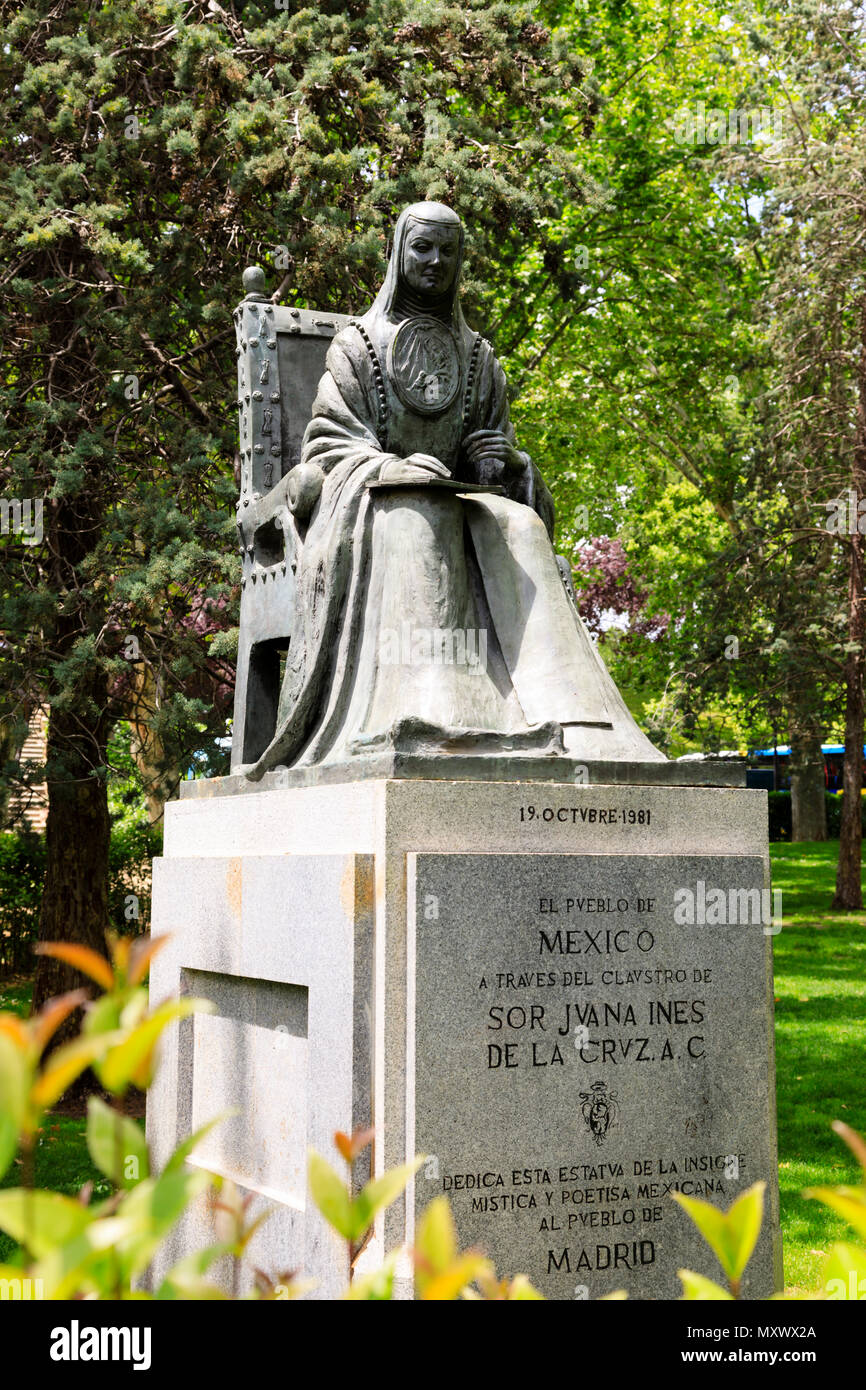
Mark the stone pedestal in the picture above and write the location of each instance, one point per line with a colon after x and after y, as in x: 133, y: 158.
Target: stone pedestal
x: 562, y: 994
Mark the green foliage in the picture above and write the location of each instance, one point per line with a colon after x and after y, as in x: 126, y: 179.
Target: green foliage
x: 133, y: 845
x: 352, y: 1217
x: 127, y: 804
x: 41, y: 1220
x: 30, y: 1079
x: 779, y: 806
x: 69, y: 1248
x: 131, y: 851
x: 442, y: 1272
x: 116, y: 1144
x: 22, y: 869
x: 698, y: 1289
x: 732, y: 1235
x: 688, y: 361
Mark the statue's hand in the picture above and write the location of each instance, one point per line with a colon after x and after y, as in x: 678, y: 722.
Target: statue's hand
x: 303, y: 486
x: 417, y: 468
x: 490, y: 451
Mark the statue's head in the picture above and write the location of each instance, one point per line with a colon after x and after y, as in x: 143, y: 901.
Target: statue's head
x: 430, y: 248
x: 423, y: 274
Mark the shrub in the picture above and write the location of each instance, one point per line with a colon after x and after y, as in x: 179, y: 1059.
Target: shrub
x: 779, y: 810
x: 22, y: 869
x: 133, y: 846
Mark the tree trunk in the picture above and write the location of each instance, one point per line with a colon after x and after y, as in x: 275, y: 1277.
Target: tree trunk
x: 74, y: 904
x: 808, y: 802
x: 160, y: 779
x: 849, y: 888
x: 75, y: 892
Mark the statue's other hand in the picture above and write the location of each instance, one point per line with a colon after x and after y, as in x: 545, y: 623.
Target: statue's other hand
x: 417, y: 468
x: 303, y: 486
x: 485, y: 449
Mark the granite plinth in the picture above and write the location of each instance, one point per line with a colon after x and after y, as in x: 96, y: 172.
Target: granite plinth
x: 343, y: 931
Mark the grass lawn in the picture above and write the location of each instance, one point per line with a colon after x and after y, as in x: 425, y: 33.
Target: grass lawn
x: 820, y: 964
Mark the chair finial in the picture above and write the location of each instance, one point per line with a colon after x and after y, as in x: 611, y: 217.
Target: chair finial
x: 254, y: 281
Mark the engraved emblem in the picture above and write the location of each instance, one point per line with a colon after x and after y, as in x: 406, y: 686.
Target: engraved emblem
x: 424, y: 365
x: 599, y: 1110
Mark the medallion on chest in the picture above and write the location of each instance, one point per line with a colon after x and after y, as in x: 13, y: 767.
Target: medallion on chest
x: 424, y: 365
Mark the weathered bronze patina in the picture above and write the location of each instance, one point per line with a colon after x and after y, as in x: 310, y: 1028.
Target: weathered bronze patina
x: 427, y: 609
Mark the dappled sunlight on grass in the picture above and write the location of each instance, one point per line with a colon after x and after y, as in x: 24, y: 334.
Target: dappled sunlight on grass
x: 820, y: 971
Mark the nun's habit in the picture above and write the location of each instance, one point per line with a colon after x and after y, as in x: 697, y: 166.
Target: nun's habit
x: 428, y: 619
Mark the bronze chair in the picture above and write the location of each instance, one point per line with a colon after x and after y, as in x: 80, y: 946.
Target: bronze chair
x: 281, y: 358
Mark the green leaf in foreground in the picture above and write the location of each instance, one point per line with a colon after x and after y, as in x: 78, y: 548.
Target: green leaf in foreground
x: 696, y: 1287
x: 116, y: 1144
x: 331, y: 1196
x: 731, y: 1235
x: 381, y: 1192
x: 40, y: 1221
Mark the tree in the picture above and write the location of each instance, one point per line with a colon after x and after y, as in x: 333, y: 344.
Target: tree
x: 151, y: 150
x: 667, y: 380
x: 814, y: 60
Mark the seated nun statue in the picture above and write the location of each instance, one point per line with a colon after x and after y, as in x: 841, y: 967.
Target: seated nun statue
x: 430, y: 615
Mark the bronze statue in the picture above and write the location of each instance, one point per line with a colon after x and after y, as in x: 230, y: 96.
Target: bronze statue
x: 429, y: 611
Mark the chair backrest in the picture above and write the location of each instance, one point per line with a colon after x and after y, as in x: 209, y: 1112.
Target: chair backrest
x: 281, y: 357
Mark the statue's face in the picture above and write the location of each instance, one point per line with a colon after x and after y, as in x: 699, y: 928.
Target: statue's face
x: 430, y: 257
